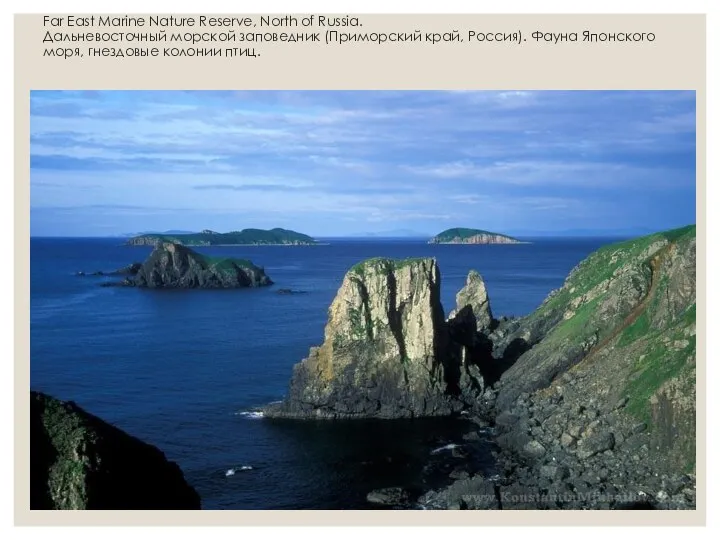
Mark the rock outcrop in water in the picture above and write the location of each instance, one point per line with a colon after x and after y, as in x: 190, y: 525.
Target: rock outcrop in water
x: 387, y: 351
x: 129, y: 270
x: 596, y: 404
x: 174, y: 266
x: 460, y: 235
x: 80, y: 462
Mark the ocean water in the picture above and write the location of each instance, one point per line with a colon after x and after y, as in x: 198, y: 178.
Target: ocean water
x: 183, y: 370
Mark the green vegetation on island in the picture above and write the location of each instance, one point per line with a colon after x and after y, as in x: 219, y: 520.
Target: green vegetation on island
x: 172, y: 265
x: 206, y: 237
x: 461, y: 235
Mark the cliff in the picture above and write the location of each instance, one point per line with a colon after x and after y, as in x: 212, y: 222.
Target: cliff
x: 176, y: 266
x: 595, y: 405
x: 207, y: 237
x: 387, y: 351
x: 80, y: 462
x: 471, y: 236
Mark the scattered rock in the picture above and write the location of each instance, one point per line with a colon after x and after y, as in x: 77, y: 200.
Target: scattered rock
x: 595, y: 444
x: 566, y: 440
x: 391, y: 496
x: 554, y: 472
x: 534, y: 449
x: 290, y: 291
x: 459, y: 474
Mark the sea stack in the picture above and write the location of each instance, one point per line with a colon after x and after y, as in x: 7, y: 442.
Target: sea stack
x: 387, y: 351
x: 472, y: 300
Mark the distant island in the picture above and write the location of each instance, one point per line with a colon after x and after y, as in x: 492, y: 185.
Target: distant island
x: 460, y: 235
x: 253, y: 237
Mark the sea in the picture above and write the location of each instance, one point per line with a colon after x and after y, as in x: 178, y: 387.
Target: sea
x: 187, y: 370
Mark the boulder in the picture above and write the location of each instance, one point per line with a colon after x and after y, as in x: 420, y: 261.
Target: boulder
x: 392, y: 496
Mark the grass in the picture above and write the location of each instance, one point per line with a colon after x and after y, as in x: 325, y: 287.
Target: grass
x: 225, y: 263
x: 636, y: 330
x: 688, y: 315
x: 600, y: 266
x: 69, y: 435
x: 643, y: 338
x: 675, y: 235
x: 656, y: 367
x: 463, y: 233
x: 386, y: 265
x: 577, y: 325
x: 246, y: 236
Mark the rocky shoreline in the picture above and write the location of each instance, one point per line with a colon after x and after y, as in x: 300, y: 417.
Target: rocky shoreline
x: 590, y: 399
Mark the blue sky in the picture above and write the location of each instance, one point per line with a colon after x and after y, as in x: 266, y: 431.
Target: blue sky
x: 350, y: 163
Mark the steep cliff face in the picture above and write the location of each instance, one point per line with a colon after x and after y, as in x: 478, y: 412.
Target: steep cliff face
x: 619, y: 294
x: 479, y: 239
x: 176, y: 266
x: 462, y: 235
x: 80, y: 462
x: 386, y: 351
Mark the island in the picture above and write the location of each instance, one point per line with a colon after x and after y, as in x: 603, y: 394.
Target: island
x: 461, y: 235
x: 245, y: 237
x: 174, y: 266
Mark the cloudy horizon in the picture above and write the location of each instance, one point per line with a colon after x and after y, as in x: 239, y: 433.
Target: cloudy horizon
x: 341, y: 163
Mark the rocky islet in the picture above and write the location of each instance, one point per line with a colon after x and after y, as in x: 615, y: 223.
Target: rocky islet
x: 174, y: 266
x: 462, y: 235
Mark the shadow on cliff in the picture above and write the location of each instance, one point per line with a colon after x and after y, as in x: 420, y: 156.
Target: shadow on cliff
x: 478, y: 349
x: 514, y: 350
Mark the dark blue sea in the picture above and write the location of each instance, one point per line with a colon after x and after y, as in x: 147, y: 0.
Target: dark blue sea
x: 183, y: 369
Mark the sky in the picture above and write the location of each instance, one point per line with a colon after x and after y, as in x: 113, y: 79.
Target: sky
x: 347, y: 163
